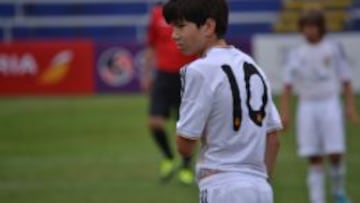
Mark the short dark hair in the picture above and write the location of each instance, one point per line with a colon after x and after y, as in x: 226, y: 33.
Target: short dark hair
x: 198, y: 11
x: 313, y: 17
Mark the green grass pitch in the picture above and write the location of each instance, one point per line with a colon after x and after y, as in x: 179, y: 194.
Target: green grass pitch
x: 97, y: 150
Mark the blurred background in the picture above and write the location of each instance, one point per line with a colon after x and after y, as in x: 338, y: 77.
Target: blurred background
x: 73, y: 119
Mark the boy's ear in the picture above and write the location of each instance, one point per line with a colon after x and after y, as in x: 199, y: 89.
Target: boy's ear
x: 209, y: 26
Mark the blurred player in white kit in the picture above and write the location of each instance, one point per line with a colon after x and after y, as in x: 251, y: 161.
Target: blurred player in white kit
x: 316, y: 69
x: 227, y: 104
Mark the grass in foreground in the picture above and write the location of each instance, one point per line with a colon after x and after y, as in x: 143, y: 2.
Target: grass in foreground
x: 97, y: 149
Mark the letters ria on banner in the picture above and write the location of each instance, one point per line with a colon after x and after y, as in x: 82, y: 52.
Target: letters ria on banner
x: 46, y: 67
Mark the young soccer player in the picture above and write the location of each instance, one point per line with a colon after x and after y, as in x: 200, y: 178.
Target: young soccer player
x: 164, y: 91
x: 226, y: 103
x: 315, y: 69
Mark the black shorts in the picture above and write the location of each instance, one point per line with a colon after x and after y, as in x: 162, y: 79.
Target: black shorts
x: 165, y: 94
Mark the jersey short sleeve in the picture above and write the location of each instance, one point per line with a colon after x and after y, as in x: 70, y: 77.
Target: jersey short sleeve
x: 195, y: 104
x: 273, y: 123
x: 342, y: 65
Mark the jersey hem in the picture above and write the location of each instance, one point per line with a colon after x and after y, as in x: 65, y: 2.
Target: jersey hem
x: 187, y: 135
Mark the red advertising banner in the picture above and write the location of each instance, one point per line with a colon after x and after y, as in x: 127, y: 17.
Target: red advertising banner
x: 47, y: 67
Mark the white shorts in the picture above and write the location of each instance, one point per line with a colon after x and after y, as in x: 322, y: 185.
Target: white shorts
x: 320, y: 127
x: 235, y: 188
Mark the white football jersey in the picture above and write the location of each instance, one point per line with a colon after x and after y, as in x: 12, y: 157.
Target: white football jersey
x: 226, y: 102
x: 317, y: 70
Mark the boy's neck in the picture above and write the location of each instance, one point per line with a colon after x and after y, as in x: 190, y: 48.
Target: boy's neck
x: 215, y: 43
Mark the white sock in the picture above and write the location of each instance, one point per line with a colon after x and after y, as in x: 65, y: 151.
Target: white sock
x: 337, y: 174
x: 315, y: 182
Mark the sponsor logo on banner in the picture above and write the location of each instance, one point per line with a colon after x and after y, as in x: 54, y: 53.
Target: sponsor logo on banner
x: 46, y: 67
x: 26, y: 64
x: 18, y: 65
x: 116, y: 67
x: 58, y: 69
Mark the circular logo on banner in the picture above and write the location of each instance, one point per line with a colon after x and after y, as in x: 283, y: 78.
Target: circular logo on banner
x: 116, y: 67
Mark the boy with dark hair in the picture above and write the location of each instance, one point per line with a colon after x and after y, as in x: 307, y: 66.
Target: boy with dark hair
x: 316, y: 68
x: 226, y: 103
x: 164, y: 88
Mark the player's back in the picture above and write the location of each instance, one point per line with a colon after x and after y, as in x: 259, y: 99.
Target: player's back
x: 237, y: 120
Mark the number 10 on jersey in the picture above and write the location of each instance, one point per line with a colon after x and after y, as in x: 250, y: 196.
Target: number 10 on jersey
x: 257, y: 116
